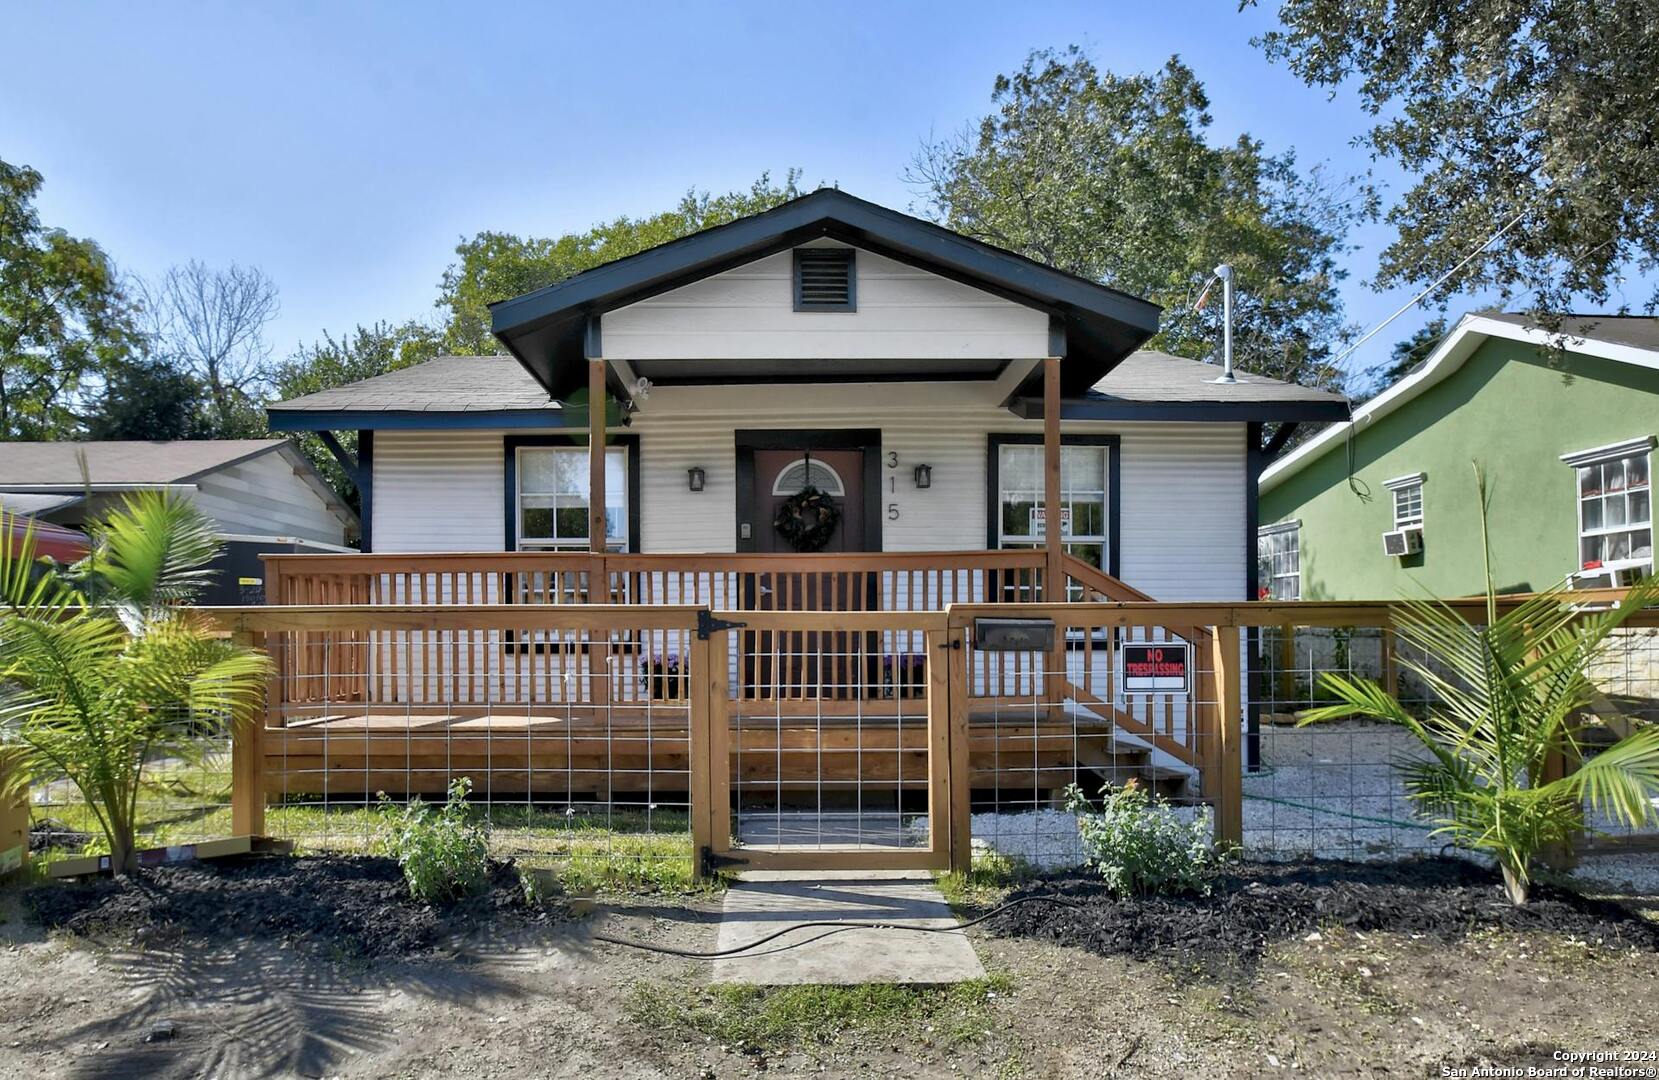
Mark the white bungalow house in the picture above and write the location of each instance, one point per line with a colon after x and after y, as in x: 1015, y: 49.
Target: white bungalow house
x: 893, y: 364
x: 829, y: 377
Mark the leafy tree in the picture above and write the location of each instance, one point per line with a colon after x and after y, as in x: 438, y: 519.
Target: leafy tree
x: 211, y: 323
x: 1507, y: 693
x: 104, y: 671
x: 1111, y: 177
x: 147, y: 398
x: 1406, y: 355
x: 1546, y: 110
x: 495, y: 266
x: 63, y: 315
x: 361, y: 354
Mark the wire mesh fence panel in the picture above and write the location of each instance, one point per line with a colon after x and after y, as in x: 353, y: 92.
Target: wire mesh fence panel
x: 1338, y: 788
x: 831, y: 741
x: 571, y: 727
x: 1074, y: 717
x: 182, y: 800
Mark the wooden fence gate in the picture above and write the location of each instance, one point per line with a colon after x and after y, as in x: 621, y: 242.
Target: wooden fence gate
x: 848, y: 769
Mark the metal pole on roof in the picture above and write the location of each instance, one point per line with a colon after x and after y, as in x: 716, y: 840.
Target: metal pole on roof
x: 1225, y: 273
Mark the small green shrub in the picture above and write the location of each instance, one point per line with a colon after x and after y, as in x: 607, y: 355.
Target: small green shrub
x: 1140, y: 845
x: 444, y: 854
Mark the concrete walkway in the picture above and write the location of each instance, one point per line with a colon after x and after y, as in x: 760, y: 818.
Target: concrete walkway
x: 762, y: 902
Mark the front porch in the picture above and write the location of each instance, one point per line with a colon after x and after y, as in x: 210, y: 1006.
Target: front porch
x: 573, y: 677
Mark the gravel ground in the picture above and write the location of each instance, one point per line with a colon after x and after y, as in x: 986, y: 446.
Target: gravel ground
x: 1326, y: 792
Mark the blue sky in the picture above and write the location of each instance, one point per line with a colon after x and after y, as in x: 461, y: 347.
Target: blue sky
x: 345, y: 148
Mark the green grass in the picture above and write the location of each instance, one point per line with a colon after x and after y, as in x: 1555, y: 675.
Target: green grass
x: 987, y: 881
x: 749, y: 1018
x: 624, y: 850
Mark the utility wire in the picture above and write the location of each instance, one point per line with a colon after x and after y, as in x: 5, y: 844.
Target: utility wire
x: 1415, y: 300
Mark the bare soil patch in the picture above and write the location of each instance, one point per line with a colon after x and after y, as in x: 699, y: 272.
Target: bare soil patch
x: 355, y: 906
x: 1255, y: 905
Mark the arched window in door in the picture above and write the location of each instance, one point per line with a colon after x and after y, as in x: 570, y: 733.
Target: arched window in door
x: 799, y: 475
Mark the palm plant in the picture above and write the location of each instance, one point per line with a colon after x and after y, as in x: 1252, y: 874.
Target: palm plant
x: 1507, y: 704
x: 104, y: 671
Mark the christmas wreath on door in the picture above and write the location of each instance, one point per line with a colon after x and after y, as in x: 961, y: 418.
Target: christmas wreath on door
x: 807, y: 519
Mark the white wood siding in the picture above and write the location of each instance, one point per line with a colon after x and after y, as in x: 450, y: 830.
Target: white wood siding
x: 438, y: 491
x: 1182, y: 502
x: 749, y: 313
x: 264, y: 496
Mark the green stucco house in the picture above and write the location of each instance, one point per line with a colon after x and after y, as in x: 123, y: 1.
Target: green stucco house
x: 1385, y: 505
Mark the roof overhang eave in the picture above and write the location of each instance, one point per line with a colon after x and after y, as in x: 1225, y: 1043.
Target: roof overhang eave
x: 1030, y: 408
x: 415, y: 419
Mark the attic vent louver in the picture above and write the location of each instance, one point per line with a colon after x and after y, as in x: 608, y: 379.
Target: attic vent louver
x: 824, y: 280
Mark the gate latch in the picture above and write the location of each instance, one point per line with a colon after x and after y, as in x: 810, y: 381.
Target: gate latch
x: 707, y: 624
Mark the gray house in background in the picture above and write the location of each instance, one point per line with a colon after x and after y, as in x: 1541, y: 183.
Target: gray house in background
x: 259, y: 491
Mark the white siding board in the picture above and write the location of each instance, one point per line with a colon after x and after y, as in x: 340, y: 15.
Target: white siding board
x: 1181, y: 504
x: 748, y: 313
x: 264, y: 496
x: 438, y: 491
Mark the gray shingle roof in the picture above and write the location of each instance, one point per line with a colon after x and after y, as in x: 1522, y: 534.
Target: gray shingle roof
x: 445, y: 384
x: 1641, y: 331
x: 121, y: 462
x: 499, y: 383
x: 1149, y: 376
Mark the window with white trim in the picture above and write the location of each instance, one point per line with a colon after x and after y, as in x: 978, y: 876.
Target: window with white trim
x: 552, y: 498
x: 1084, y: 473
x: 1408, y: 499
x: 1279, y: 561
x: 1615, y: 506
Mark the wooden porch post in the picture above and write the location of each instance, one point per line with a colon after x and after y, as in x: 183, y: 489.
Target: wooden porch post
x: 247, y: 763
x: 1054, y: 585
x: 1054, y: 575
x: 596, y: 455
x: 1226, y: 782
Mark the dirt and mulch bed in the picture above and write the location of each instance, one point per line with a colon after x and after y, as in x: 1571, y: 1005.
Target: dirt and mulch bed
x: 1253, y: 906
x: 355, y: 906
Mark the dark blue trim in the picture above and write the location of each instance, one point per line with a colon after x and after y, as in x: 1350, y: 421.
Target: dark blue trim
x: 367, y: 420
x: 365, y: 489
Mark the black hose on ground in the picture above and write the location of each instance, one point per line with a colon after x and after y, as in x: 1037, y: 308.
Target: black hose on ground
x: 834, y: 926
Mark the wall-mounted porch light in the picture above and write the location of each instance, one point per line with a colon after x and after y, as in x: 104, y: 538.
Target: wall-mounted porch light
x: 695, y: 478
x: 924, y: 476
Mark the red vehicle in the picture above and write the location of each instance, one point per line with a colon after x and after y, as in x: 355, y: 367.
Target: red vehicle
x: 64, y: 545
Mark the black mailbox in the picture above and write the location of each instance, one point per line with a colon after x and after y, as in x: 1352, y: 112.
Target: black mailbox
x: 1014, y: 635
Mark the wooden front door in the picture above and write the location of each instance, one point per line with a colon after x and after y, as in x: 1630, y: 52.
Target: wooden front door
x: 780, y: 474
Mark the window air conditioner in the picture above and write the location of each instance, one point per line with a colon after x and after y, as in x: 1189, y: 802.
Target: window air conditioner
x: 1401, y: 542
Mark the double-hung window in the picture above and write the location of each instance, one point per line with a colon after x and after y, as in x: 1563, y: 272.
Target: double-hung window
x: 552, y: 498
x: 1615, y: 506
x: 1279, y: 561
x: 1408, y: 499
x: 1085, y: 499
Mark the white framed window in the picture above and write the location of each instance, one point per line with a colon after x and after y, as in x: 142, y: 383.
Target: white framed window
x: 1408, y: 499
x: 1085, y: 499
x: 1615, y: 506
x: 1279, y: 561
x: 551, y: 495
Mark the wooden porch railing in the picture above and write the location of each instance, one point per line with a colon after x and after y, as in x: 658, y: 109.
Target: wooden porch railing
x: 419, y: 667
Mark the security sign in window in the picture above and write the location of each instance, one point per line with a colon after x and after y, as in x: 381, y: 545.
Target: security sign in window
x: 1163, y: 667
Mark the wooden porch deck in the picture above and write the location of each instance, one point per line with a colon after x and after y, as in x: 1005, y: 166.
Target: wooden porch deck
x: 827, y: 680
